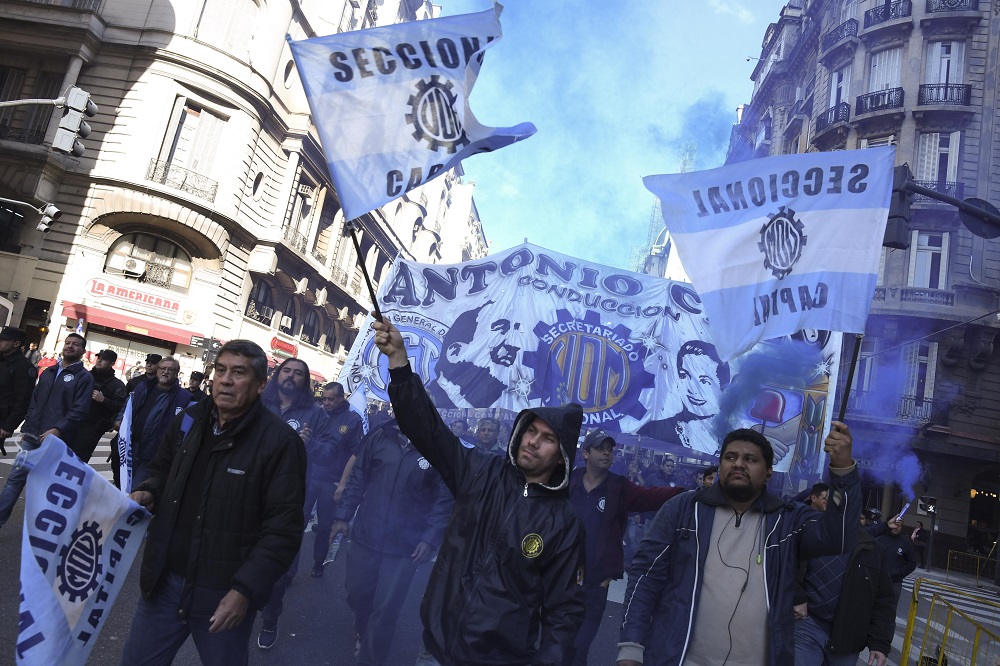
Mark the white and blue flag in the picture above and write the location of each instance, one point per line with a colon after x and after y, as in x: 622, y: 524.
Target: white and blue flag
x: 783, y: 243
x: 81, y: 535
x: 392, y: 103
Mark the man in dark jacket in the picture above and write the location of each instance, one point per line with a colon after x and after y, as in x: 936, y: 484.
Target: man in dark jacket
x: 145, y: 417
x: 330, y: 474
x: 844, y: 603
x: 149, y: 376
x: 507, y: 587
x: 227, y: 486
x: 194, y: 386
x: 288, y: 396
x: 403, y: 507
x: 603, y: 500
x: 59, y: 404
x: 106, y: 401
x: 898, y: 551
x: 17, y: 379
x: 716, y: 571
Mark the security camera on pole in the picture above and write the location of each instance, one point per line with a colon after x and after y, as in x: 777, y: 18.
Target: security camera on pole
x: 73, y: 125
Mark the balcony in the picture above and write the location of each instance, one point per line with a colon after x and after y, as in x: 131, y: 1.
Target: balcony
x: 319, y: 256
x: 927, y: 296
x: 945, y: 94
x: 182, y: 179
x: 21, y: 135
x: 84, y: 5
x: 261, y: 313
x: 915, y: 409
x: 295, y: 240
x: 952, y: 189
x: 952, y: 14
x: 882, y: 100
x: 897, y: 10
x: 839, y: 40
x: 158, y: 275
x: 935, y: 6
x: 832, y: 123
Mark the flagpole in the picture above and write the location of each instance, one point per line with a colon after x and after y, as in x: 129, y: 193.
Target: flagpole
x: 850, y: 376
x: 350, y: 226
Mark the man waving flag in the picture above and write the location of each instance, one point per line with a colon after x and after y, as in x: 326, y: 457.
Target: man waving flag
x: 391, y: 103
x: 783, y: 243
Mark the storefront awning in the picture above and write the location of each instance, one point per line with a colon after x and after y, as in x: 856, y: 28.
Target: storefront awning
x: 318, y: 377
x: 152, y: 329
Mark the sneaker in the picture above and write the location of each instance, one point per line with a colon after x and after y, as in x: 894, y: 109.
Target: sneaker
x: 317, y: 570
x: 357, y: 646
x: 267, y: 637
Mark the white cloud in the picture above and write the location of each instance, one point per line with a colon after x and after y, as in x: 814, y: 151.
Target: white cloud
x: 742, y: 14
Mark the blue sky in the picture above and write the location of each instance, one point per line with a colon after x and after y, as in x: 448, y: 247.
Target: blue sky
x: 616, y: 89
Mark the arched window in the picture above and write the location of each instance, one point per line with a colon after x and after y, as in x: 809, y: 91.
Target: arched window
x: 290, y: 317
x: 310, y: 328
x: 260, y: 305
x: 331, y: 338
x: 150, y: 259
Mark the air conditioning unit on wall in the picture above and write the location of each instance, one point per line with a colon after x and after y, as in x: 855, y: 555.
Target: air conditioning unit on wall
x: 286, y: 322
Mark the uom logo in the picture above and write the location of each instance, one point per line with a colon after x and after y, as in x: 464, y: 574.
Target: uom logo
x: 781, y: 241
x: 79, y: 570
x: 433, y: 116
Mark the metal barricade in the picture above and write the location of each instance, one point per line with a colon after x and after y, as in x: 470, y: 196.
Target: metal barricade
x: 962, y: 566
x: 940, y: 633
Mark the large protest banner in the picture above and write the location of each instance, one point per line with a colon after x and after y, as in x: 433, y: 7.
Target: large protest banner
x: 392, y: 103
x: 780, y: 244
x: 81, y: 535
x: 529, y: 327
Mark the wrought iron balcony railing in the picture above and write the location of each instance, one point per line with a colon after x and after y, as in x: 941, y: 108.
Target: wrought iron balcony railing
x: 848, y: 28
x: 925, y: 295
x: 21, y: 135
x: 897, y: 10
x: 261, y: 313
x: 296, y: 240
x: 952, y: 189
x: 319, y: 256
x: 182, y: 179
x: 952, y: 6
x: 159, y: 275
x: 85, y: 5
x: 945, y: 94
x: 339, y: 276
x: 879, y: 101
x: 915, y: 408
x: 902, y: 407
x: 840, y: 113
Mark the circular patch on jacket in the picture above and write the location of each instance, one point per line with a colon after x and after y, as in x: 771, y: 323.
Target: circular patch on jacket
x: 294, y: 424
x: 343, y: 430
x: 68, y: 378
x: 600, y: 505
x: 531, y: 546
x: 422, y: 463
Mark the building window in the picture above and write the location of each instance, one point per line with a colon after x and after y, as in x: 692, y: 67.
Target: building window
x: 228, y: 24
x: 928, y: 260
x: 290, y: 317
x: 310, y: 328
x: 191, y: 138
x: 331, y: 338
x: 877, y: 142
x: 864, y: 377
x: 840, y: 86
x: 921, y: 364
x: 260, y: 305
x: 945, y: 62
x: 11, y: 81
x: 849, y: 10
x: 937, y: 158
x: 885, y: 70
x: 151, y: 260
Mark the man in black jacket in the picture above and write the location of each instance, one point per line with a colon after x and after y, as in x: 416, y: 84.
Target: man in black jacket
x: 152, y: 363
x: 227, y: 486
x: 17, y: 379
x: 844, y: 603
x: 507, y: 587
x: 403, y: 508
x: 898, y: 551
x: 106, y: 400
x: 59, y: 404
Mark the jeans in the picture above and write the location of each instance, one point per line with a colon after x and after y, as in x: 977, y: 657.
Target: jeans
x: 320, y: 493
x: 270, y: 613
x: 810, y: 646
x: 157, y: 633
x: 15, y: 483
x: 633, y: 537
x: 596, y: 599
x: 377, y: 585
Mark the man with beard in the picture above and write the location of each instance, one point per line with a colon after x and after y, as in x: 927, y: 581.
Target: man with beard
x: 147, y: 413
x: 715, y: 575
x: 288, y: 395
x: 58, y: 406
x: 507, y: 587
x: 475, y: 352
x: 17, y: 379
x: 106, y: 400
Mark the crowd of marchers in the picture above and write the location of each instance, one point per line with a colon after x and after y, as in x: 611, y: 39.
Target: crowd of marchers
x: 525, y: 536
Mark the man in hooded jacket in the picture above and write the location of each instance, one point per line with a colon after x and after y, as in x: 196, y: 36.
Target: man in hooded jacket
x: 507, y: 587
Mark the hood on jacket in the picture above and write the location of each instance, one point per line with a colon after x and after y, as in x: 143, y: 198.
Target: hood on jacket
x: 566, y: 421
